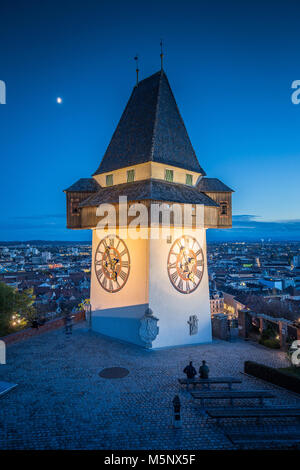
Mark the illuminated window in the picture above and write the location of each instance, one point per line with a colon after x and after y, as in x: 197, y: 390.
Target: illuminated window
x: 169, y: 175
x: 130, y: 176
x: 224, y: 208
x: 189, y: 179
x: 109, y: 180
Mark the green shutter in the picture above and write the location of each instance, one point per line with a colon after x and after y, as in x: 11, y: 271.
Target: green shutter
x: 130, y: 176
x: 109, y: 180
x: 189, y: 179
x: 169, y: 175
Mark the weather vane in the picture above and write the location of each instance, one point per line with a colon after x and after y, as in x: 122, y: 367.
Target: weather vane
x: 137, y: 69
x: 161, y: 54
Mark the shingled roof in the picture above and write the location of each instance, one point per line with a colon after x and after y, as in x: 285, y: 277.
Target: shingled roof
x: 150, y: 189
x: 213, y: 185
x: 86, y: 185
x: 150, y: 129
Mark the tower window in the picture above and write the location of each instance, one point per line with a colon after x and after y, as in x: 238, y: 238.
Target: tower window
x: 224, y: 208
x: 189, y: 179
x: 130, y: 176
x: 169, y: 175
x: 109, y: 180
x: 74, y: 206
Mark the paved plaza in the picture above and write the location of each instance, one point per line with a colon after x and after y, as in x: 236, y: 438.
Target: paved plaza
x: 61, y: 402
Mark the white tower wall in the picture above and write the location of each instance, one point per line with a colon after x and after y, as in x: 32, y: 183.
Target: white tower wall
x: 172, y: 307
x: 118, y: 315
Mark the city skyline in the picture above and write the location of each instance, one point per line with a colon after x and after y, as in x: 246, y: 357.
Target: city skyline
x: 234, y: 96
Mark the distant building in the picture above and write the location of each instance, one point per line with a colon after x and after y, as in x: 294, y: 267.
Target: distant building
x: 232, y: 305
x: 271, y: 283
x: 46, y: 256
x: 216, y: 302
x: 296, y: 261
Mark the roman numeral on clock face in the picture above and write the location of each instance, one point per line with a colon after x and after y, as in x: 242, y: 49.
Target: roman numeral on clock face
x: 122, y: 275
x: 99, y: 273
x: 104, y: 282
x: 198, y: 274
x: 174, y: 277
x: 172, y: 265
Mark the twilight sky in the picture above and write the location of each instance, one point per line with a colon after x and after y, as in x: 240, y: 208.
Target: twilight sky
x: 230, y: 65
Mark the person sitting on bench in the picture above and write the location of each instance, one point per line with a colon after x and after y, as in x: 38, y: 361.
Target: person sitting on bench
x: 190, y: 372
x: 203, y: 371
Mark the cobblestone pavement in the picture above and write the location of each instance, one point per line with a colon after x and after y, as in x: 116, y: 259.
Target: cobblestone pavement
x: 62, y: 403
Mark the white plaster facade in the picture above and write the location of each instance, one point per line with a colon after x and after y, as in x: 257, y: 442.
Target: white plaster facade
x: 119, y: 314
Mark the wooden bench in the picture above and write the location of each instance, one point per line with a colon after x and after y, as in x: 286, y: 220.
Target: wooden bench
x: 212, y: 380
x: 6, y: 387
x: 262, y: 437
x: 258, y: 413
x: 231, y: 395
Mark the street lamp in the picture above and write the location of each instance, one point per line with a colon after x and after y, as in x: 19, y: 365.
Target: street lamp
x: 88, y: 313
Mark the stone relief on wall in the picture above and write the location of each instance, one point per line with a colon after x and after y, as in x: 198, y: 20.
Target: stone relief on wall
x: 193, y: 324
x: 148, y: 330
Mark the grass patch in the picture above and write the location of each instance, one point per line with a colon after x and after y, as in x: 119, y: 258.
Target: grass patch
x: 271, y: 343
x: 285, y: 377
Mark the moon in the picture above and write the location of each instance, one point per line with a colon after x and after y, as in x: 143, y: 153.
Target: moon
x: 59, y: 100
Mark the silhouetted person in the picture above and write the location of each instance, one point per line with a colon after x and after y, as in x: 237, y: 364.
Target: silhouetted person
x: 190, y: 372
x: 68, y: 324
x: 203, y: 371
x: 35, y: 324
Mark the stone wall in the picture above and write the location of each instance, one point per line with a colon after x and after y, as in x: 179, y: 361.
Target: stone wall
x: 220, y: 327
x: 285, y: 327
x: 49, y: 326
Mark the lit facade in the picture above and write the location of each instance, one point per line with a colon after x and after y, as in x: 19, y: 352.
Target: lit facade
x: 150, y: 290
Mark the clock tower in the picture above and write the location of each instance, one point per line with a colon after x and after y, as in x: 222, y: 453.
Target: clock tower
x: 149, y: 204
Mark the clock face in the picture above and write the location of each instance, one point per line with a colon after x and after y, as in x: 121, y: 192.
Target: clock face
x: 185, y: 264
x: 112, y: 263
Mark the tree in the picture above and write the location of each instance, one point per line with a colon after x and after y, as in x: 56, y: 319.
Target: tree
x: 6, y: 307
x: 273, y: 307
x: 16, y: 308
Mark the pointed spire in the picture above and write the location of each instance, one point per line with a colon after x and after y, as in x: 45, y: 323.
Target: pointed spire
x: 161, y: 55
x: 137, y: 69
x: 150, y: 129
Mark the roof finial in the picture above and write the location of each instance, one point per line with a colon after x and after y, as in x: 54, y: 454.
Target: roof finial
x: 161, y: 54
x: 137, y: 69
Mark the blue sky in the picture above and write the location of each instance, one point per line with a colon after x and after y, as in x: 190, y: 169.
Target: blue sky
x: 230, y: 65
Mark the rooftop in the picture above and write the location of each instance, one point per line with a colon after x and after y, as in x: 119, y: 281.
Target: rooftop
x: 88, y: 185
x: 150, y: 189
x: 213, y: 185
x: 150, y: 129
